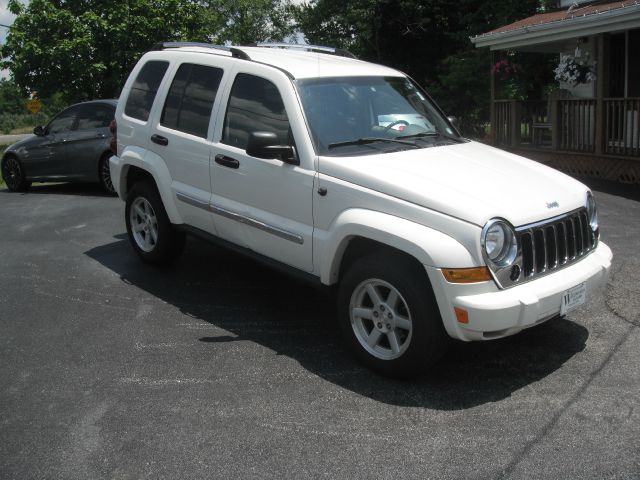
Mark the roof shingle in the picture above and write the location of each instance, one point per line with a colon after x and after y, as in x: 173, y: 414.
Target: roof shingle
x: 559, y: 16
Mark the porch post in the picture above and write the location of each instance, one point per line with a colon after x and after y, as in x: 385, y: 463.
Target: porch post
x: 492, y: 104
x: 600, y: 89
x: 554, y: 119
x: 514, y: 117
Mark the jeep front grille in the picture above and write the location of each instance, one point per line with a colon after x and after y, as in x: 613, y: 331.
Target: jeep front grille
x: 555, y: 243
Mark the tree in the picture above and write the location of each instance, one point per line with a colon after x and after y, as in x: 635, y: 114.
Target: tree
x: 12, y: 99
x: 249, y: 21
x: 427, y: 39
x: 86, y: 48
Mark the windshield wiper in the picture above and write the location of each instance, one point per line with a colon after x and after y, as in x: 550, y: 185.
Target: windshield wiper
x: 432, y: 134
x: 369, y: 140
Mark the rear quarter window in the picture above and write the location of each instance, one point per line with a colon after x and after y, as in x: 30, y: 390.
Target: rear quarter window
x: 190, y: 99
x: 144, y: 89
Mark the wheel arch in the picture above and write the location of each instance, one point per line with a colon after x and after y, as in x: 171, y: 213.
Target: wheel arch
x: 138, y: 164
x: 8, y: 154
x: 358, y: 232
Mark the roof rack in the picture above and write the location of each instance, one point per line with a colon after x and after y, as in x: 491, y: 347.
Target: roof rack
x: 309, y: 48
x: 236, y: 53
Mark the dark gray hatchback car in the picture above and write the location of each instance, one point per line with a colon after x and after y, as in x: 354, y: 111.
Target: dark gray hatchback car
x: 74, y: 146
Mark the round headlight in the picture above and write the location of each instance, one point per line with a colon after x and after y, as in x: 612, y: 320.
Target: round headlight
x: 499, y: 243
x: 592, y: 212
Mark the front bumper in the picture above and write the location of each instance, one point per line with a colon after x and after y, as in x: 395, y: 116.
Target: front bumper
x: 494, y: 313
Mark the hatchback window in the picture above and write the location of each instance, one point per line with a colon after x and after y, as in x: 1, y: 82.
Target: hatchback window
x: 94, y: 116
x: 190, y: 99
x: 144, y: 89
x: 255, y: 105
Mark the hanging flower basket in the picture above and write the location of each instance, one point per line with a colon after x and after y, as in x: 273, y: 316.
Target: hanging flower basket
x: 504, y: 69
x: 575, y: 70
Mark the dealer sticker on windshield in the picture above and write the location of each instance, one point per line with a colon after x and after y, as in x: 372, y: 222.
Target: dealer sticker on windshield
x: 573, y: 298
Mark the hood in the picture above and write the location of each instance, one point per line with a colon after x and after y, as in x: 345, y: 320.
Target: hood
x: 25, y: 142
x: 470, y: 181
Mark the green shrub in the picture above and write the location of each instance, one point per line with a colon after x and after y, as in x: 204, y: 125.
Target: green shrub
x: 11, y: 121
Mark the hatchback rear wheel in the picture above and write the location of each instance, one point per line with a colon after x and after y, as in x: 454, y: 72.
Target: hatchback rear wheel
x: 104, y: 171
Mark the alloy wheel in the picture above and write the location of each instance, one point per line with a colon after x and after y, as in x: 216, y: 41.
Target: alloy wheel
x: 380, y: 319
x: 105, y: 173
x: 12, y: 173
x: 144, y: 224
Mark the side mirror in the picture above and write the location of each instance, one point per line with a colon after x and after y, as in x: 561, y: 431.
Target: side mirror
x: 266, y: 145
x: 39, y: 131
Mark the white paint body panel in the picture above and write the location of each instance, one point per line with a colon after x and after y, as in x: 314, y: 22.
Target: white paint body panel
x: 470, y: 181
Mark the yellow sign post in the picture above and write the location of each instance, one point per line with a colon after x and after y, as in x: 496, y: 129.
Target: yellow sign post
x: 34, y: 105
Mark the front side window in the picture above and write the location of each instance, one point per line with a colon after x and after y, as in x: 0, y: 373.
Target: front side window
x: 255, y: 105
x: 144, y: 89
x: 368, y: 115
x: 190, y: 99
x: 64, y: 122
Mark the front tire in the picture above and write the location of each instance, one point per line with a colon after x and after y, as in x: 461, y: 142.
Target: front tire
x: 389, y: 316
x: 150, y: 232
x: 13, y: 175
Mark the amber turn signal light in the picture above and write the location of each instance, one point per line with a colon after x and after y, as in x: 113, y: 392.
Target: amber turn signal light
x: 466, y: 275
x: 461, y: 315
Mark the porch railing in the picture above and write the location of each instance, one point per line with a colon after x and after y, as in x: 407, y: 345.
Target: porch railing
x: 504, y: 124
x: 622, y: 128
x: 570, y: 125
x: 577, y: 125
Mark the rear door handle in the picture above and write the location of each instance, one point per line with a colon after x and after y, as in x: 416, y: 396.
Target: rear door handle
x: 227, y: 161
x: 160, y: 140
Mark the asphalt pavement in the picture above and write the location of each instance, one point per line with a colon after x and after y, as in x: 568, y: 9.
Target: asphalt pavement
x: 220, y: 368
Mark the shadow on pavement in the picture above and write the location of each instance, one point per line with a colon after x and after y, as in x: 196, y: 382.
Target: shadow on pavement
x: 628, y: 191
x: 254, y: 303
x: 80, y: 189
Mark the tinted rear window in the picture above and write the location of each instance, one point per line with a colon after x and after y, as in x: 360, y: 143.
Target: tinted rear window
x: 190, y: 99
x: 95, y: 116
x: 144, y: 89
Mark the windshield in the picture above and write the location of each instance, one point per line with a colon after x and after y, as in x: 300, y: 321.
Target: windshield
x: 364, y: 115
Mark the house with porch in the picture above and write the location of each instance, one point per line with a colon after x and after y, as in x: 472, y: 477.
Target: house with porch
x: 590, y: 123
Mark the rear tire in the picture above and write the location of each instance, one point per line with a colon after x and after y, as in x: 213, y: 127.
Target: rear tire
x: 13, y: 174
x: 389, y: 316
x: 104, y: 172
x: 150, y: 231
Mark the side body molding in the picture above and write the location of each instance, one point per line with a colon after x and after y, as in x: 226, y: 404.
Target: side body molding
x: 430, y: 247
x: 155, y: 166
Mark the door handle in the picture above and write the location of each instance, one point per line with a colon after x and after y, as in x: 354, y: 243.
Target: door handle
x: 101, y: 135
x: 160, y: 140
x: 227, y: 161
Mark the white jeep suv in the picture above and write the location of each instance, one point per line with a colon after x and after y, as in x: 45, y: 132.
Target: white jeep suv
x: 347, y: 172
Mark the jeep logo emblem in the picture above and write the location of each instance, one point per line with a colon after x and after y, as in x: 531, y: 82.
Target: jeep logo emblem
x: 553, y: 205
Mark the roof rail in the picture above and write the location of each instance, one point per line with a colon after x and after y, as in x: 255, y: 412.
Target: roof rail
x: 236, y: 53
x: 310, y: 48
